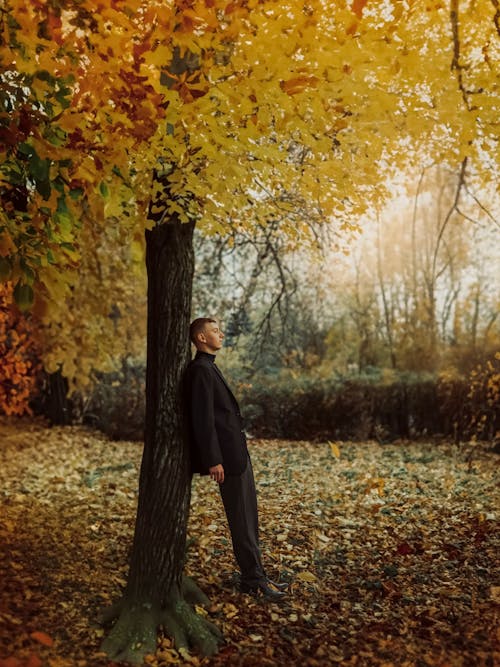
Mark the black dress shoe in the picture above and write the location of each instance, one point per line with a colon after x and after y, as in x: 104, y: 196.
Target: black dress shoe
x: 262, y: 589
x: 281, y: 586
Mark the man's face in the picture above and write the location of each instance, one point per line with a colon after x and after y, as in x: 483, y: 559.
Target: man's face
x: 212, y: 336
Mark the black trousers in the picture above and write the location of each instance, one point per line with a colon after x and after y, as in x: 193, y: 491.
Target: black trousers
x: 240, y: 503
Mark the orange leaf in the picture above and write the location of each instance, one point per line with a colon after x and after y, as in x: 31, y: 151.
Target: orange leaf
x: 34, y: 661
x: 298, y: 84
x: 10, y: 662
x: 42, y: 638
x: 357, y: 7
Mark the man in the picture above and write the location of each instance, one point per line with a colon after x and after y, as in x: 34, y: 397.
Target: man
x: 219, y: 449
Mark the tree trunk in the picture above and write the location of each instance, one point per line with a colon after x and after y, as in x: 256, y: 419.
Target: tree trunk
x: 156, y: 592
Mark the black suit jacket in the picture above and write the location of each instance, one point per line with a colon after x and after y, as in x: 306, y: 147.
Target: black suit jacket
x: 215, y: 423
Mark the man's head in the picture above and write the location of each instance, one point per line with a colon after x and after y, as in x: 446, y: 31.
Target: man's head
x: 206, y: 335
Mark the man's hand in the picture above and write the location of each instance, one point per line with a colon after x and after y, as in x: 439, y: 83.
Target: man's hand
x: 217, y: 473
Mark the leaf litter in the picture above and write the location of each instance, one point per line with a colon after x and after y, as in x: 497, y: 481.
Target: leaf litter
x: 391, y: 551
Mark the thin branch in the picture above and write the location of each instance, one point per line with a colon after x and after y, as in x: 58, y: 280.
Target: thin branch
x: 455, y: 63
x: 452, y: 209
x: 496, y: 17
x: 481, y: 206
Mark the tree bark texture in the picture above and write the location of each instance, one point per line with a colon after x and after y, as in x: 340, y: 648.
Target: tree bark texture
x: 156, y: 592
x: 165, y: 480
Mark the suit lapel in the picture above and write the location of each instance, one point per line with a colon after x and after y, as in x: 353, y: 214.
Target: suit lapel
x: 219, y: 373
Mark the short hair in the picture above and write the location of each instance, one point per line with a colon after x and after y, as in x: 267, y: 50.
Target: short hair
x: 197, y: 327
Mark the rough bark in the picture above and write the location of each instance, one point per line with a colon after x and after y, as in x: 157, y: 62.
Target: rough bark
x: 156, y: 592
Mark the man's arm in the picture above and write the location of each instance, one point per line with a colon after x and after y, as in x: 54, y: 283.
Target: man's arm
x: 203, y: 421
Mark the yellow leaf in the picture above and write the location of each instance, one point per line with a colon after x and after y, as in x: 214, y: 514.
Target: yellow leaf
x: 335, y: 450
x: 306, y: 576
x: 495, y: 593
x: 137, y: 251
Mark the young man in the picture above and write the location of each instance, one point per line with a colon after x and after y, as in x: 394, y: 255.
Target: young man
x: 219, y: 449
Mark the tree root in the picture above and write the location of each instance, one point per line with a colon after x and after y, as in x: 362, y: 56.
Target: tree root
x: 192, y: 593
x: 133, y: 636
x: 189, y: 630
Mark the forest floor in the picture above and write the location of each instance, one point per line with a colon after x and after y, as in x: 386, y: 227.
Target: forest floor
x: 391, y: 549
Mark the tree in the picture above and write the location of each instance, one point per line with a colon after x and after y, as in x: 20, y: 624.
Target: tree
x: 228, y: 114
x: 420, y: 281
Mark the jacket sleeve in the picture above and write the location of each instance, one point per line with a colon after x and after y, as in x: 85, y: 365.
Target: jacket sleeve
x: 202, y: 417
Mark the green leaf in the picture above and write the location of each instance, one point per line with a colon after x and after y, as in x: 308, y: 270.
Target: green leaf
x: 55, y: 135
x: 23, y: 295
x: 62, y: 207
x: 26, y: 149
x: 58, y: 185
x: 64, y: 220
x: 29, y: 275
x: 44, y: 189
x: 62, y: 96
x: 39, y: 171
x: 167, y: 80
x: 44, y: 75
x: 76, y: 193
x: 103, y: 187
x: 39, y: 168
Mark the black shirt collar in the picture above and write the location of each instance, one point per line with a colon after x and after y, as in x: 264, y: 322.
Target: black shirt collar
x: 207, y: 355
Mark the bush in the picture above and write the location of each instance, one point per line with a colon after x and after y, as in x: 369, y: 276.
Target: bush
x: 406, y: 406
x: 117, y: 404
x: 382, y: 405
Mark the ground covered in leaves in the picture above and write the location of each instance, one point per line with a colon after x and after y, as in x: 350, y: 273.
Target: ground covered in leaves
x: 391, y: 549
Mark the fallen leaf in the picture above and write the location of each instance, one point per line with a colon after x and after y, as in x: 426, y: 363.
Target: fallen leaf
x: 42, y: 638
x: 334, y: 449
x: 10, y: 662
x: 495, y: 593
x: 34, y: 661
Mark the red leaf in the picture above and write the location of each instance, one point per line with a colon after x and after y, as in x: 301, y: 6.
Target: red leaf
x: 42, y: 638
x: 404, y: 549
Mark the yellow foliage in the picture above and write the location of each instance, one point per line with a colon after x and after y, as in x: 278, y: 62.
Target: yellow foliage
x: 102, y: 318
x: 259, y: 110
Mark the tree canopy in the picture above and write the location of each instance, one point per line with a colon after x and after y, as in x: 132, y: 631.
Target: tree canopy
x: 246, y: 112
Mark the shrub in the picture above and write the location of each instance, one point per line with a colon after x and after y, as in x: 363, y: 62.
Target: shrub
x: 484, y: 400
x: 379, y: 405
x: 116, y: 405
x: 406, y: 405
